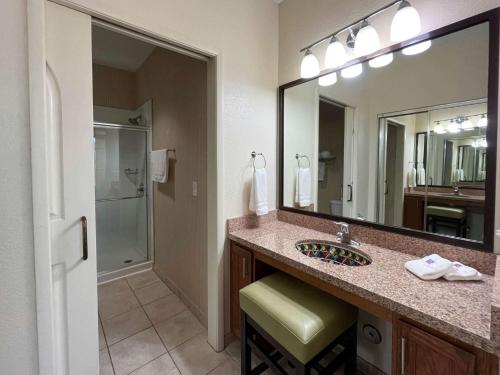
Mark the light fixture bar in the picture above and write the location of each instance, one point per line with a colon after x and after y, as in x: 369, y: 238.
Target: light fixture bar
x: 454, y: 118
x: 329, y: 36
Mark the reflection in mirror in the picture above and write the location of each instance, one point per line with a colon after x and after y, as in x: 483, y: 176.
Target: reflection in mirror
x: 402, y: 145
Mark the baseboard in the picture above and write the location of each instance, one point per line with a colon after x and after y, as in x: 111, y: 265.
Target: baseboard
x: 179, y: 293
x: 366, y: 368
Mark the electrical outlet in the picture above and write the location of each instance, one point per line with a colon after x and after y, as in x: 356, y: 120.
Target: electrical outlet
x: 195, y: 189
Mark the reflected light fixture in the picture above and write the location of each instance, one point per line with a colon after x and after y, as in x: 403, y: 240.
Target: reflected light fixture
x: 309, y: 66
x: 328, y: 80
x: 467, y: 124
x: 335, y: 54
x: 417, y: 48
x: 367, y: 40
x: 439, y: 129
x: 406, y: 22
x: 483, y: 143
x: 483, y: 121
x: 352, y: 71
x: 380, y: 61
x: 453, y: 127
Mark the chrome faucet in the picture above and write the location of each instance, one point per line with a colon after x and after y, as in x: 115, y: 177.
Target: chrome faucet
x: 344, y: 236
x: 456, y: 188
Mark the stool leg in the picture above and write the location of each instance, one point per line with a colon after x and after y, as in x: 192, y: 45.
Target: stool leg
x: 352, y: 351
x: 246, y: 351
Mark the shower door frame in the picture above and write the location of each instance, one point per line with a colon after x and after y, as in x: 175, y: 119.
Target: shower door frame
x: 105, y: 276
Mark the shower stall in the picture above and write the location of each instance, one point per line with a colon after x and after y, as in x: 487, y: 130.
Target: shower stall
x: 122, y: 192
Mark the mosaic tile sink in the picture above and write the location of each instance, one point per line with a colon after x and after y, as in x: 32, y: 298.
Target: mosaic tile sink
x: 333, y: 252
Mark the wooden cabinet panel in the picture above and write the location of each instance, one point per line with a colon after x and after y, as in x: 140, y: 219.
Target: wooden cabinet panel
x: 421, y: 353
x: 241, y: 276
x: 413, y: 213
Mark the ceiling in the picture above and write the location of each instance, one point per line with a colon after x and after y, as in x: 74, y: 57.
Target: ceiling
x: 118, y: 51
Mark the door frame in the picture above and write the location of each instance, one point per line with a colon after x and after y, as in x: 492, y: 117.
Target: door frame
x: 39, y: 175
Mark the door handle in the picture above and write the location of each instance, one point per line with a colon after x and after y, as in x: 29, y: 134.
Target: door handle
x: 403, y: 344
x: 349, y: 197
x: 84, y: 237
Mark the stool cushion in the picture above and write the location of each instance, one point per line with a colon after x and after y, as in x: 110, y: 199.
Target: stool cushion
x: 448, y: 212
x: 302, y: 318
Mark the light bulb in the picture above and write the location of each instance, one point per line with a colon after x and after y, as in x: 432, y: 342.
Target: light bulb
x: 483, y: 122
x: 467, y: 124
x: 352, y: 71
x: 453, y: 127
x: 381, y: 61
x: 328, y: 80
x: 309, y: 66
x: 417, y: 48
x: 367, y: 40
x: 439, y: 129
x: 335, y: 54
x: 483, y: 143
x: 406, y: 23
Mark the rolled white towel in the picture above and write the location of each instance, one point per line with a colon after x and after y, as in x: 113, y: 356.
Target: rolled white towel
x: 460, y: 271
x: 430, y: 267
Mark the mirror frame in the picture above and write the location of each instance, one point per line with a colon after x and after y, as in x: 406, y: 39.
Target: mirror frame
x: 493, y: 18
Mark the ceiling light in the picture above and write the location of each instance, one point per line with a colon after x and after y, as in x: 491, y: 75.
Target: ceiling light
x: 328, y: 80
x: 417, y: 48
x: 406, y: 23
x: 467, y: 124
x: 453, y: 127
x: 483, y: 122
x: 381, y: 61
x: 335, y: 54
x: 309, y: 66
x: 367, y: 40
x: 439, y: 129
x: 352, y: 71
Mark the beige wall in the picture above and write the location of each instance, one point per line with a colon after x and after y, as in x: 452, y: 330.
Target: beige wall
x: 113, y: 87
x: 177, y: 84
x: 18, y: 336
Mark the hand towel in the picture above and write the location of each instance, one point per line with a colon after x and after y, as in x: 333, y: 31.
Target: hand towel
x: 460, y: 271
x: 159, y: 166
x: 430, y: 267
x: 421, y: 176
x: 411, y: 178
x: 258, y: 192
x: 321, y: 171
x: 303, y: 187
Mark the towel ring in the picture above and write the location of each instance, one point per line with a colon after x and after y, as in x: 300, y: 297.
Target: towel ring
x: 298, y: 157
x: 254, y: 156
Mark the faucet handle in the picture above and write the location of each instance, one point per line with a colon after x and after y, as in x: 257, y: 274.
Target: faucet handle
x: 344, y: 227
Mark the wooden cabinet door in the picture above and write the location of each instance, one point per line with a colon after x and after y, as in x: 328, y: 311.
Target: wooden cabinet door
x: 241, y: 276
x: 421, y: 353
x: 413, y: 213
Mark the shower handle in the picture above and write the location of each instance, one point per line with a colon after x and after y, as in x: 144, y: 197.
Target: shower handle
x: 84, y: 237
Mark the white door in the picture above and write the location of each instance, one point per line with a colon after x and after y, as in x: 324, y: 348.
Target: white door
x: 350, y: 157
x: 71, y: 187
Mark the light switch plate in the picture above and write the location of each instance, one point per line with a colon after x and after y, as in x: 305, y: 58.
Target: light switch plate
x: 195, y: 189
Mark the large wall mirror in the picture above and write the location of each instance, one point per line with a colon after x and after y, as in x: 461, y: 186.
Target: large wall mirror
x: 410, y: 146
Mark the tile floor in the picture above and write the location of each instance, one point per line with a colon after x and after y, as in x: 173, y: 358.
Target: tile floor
x: 144, y: 329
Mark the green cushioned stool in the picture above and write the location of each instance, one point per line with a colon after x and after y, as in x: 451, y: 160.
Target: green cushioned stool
x: 299, y: 322
x: 447, y: 217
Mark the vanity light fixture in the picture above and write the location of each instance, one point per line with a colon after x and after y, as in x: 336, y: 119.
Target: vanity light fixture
x: 467, y: 124
x: 453, y: 127
x: 335, y: 54
x: 352, y: 71
x: 328, y: 80
x: 406, y: 22
x: 367, y: 40
x: 417, y: 48
x: 483, y: 121
x: 309, y: 66
x: 380, y: 61
x: 483, y: 143
x: 439, y: 129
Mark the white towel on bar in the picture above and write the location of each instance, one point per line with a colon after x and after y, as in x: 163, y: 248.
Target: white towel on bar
x: 321, y: 171
x: 460, y: 271
x: 159, y: 166
x: 421, y: 176
x: 430, y: 267
x: 303, y: 187
x: 412, y: 178
x: 258, y: 192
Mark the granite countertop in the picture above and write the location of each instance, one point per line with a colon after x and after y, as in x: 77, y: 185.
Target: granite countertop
x: 460, y: 309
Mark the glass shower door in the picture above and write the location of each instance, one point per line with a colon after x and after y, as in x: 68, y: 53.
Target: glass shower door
x: 121, y: 196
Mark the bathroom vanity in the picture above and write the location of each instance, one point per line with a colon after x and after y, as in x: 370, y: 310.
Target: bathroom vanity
x: 439, y: 327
